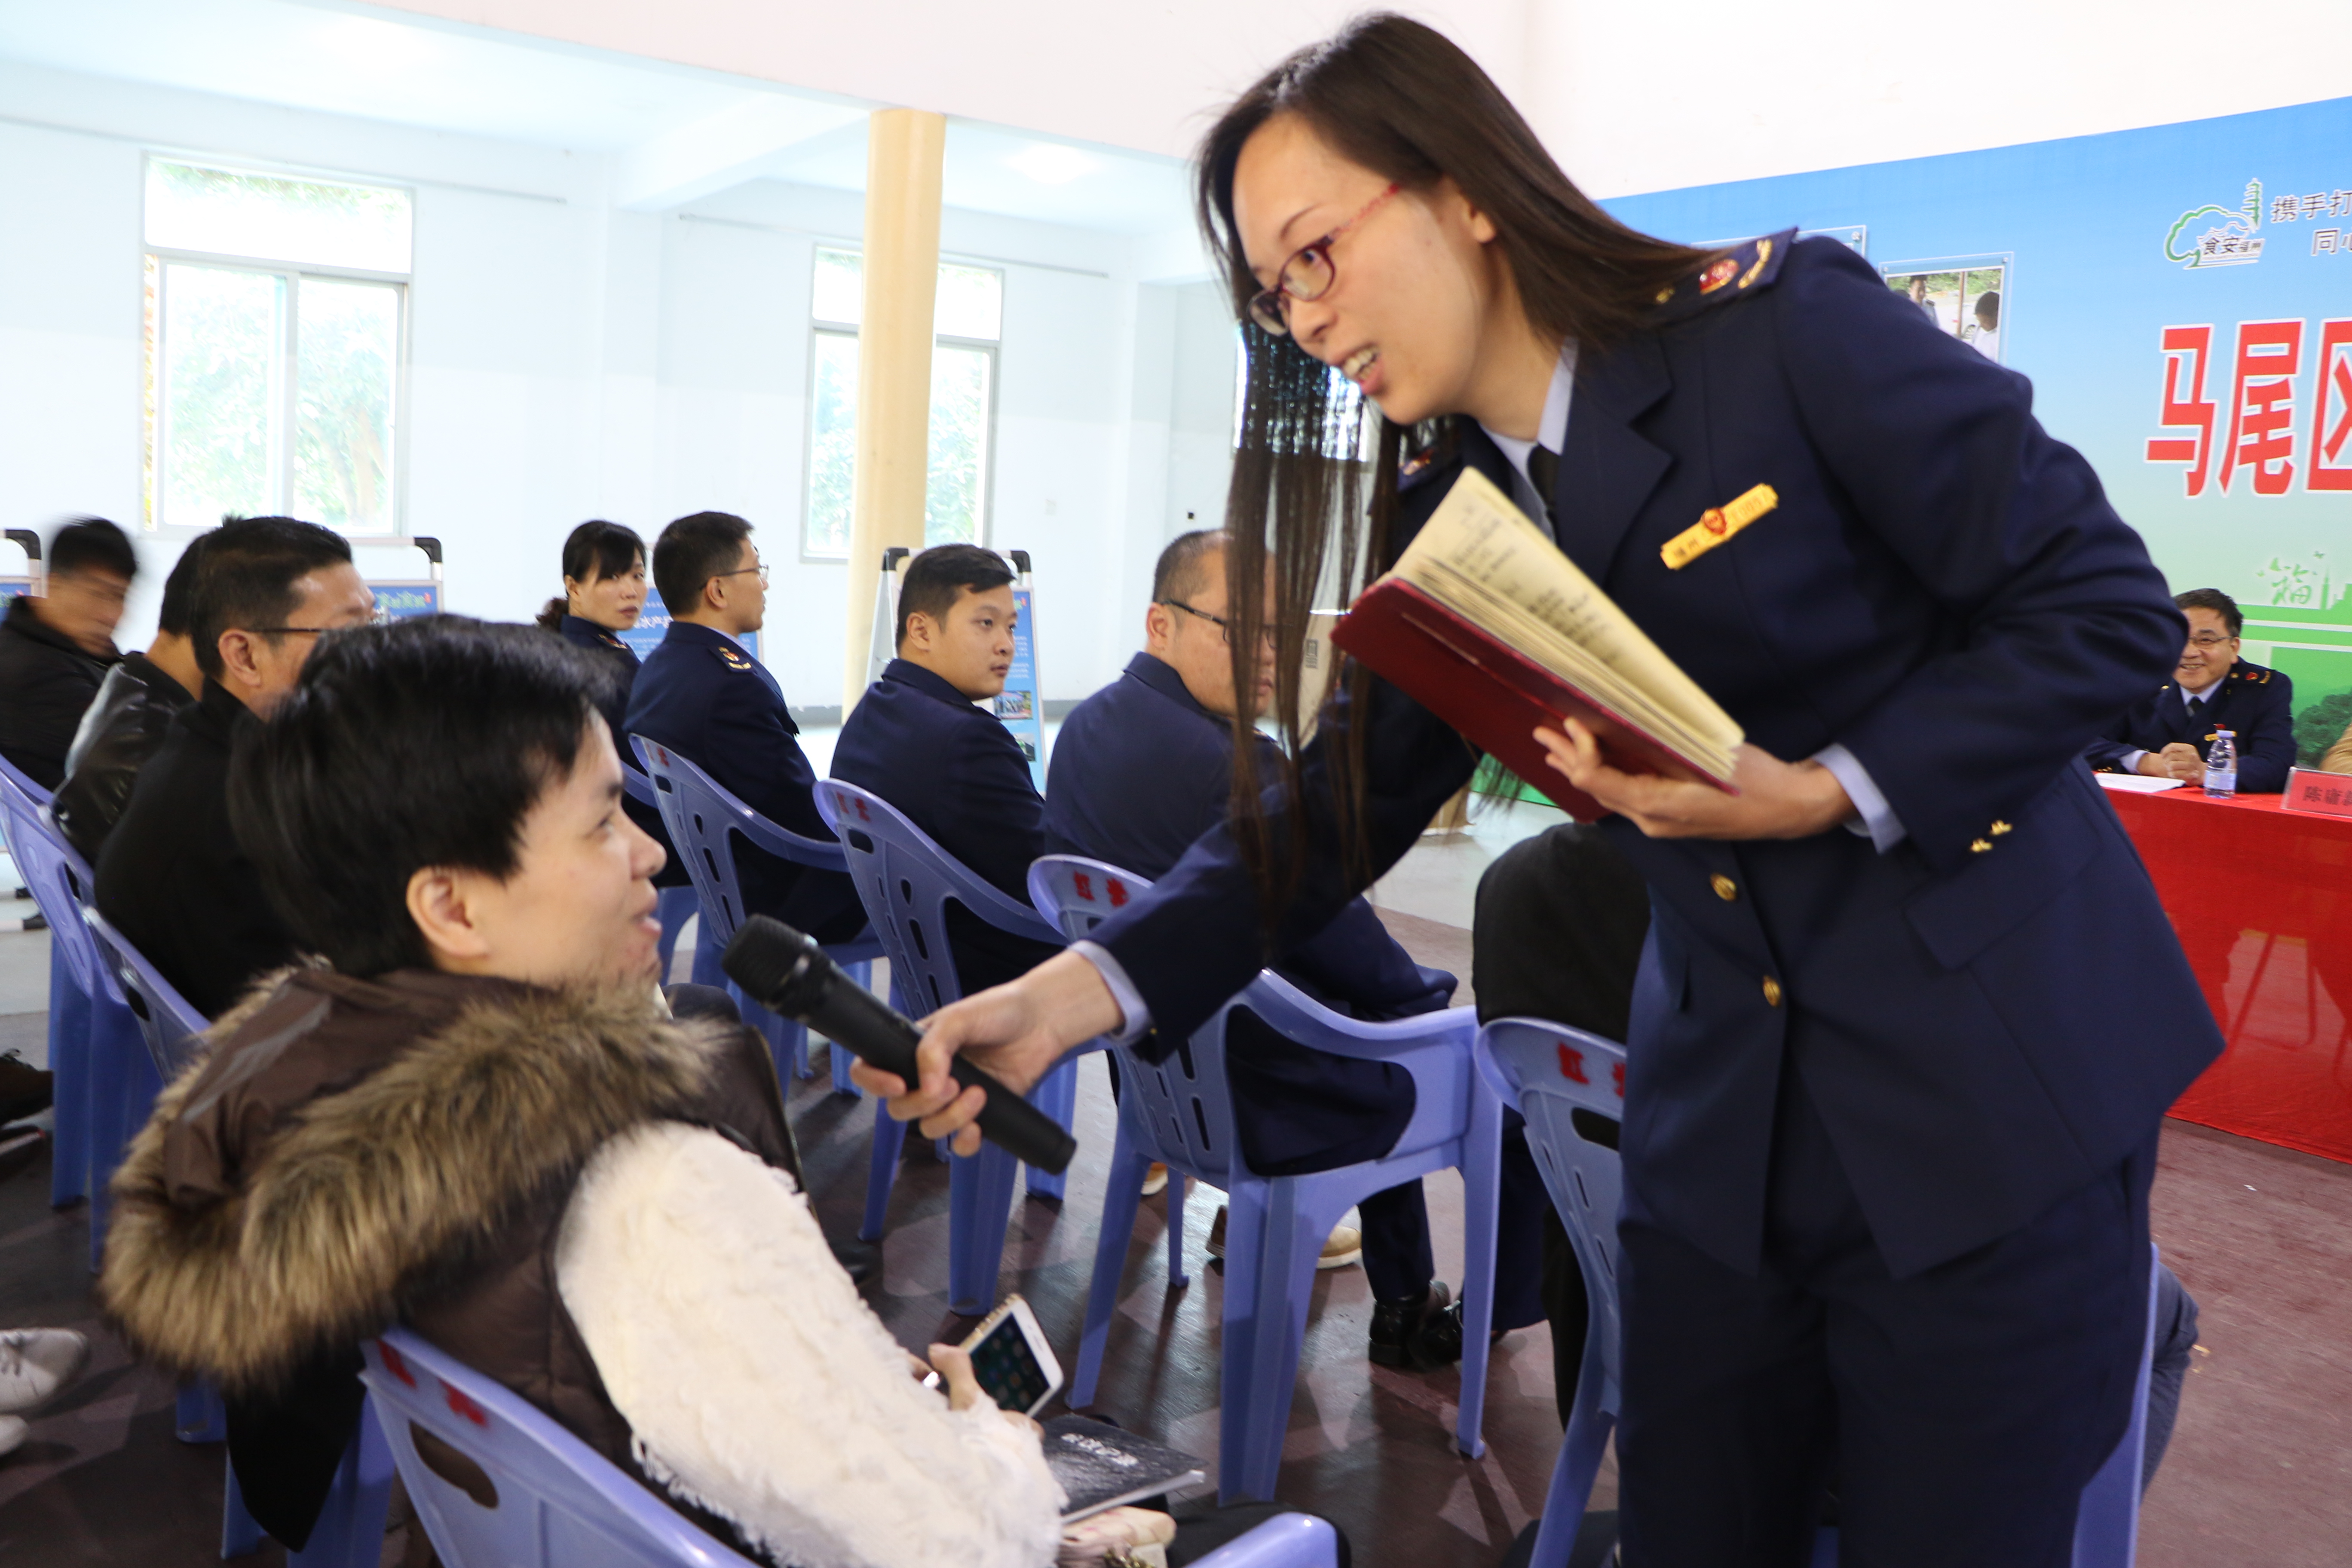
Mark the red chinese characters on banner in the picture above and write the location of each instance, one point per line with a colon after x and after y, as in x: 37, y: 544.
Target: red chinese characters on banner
x: 2258, y: 445
x: 2262, y: 404
x: 2331, y: 415
x: 2186, y: 352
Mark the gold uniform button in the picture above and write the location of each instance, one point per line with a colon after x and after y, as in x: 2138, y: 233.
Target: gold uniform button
x: 1979, y: 847
x: 1771, y: 992
x: 1724, y: 887
x: 1999, y: 829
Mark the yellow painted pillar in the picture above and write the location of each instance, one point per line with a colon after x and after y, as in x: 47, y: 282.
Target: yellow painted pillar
x: 903, y: 151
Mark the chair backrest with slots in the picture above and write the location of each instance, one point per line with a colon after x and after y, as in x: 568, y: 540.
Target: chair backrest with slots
x: 1571, y: 1086
x: 906, y: 881
x: 502, y: 1484
x: 58, y: 876
x: 700, y: 814
x: 172, y: 1027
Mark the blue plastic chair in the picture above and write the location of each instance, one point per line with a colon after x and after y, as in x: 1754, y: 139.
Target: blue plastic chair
x: 105, y: 1085
x: 677, y: 905
x: 905, y: 881
x: 1181, y: 1111
x: 1570, y: 1088
x: 499, y: 1483
x: 700, y: 814
x: 21, y: 801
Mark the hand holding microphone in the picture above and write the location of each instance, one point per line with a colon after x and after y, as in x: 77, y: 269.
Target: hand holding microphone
x: 789, y: 973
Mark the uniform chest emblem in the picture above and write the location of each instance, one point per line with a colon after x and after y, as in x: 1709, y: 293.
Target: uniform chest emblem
x: 733, y: 659
x: 1719, y: 523
x: 1717, y: 274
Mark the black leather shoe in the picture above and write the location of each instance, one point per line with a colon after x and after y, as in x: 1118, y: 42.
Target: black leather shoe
x: 1417, y: 1332
x: 863, y: 1260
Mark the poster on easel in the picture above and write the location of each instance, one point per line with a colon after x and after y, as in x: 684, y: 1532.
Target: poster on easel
x: 24, y: 539
x: 1019, y: 706
x: 401, y: 599
x: 883, y: 646
x: 653, y: 625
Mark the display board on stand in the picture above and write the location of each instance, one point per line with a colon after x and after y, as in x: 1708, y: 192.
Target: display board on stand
x: 1019, y: 706
x: 883, y: 646
x: 25, y: 540
x: 404, y: 598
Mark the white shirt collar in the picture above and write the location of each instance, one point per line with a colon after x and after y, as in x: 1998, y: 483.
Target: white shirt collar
x: 1552, y: 432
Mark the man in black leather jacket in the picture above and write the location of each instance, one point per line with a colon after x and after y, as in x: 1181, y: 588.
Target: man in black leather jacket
x: 125, y: 722
x: 56, y: 647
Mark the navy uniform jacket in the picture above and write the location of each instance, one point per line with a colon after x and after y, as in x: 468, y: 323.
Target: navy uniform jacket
x: 2254, y: 703
x: 956, y: 771
x: 1141, y: 770
x: 620, y: 661
x: 1944, y: 590
x: 702, y: 696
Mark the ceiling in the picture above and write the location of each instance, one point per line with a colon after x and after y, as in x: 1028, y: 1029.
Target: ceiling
x: 677, y: 132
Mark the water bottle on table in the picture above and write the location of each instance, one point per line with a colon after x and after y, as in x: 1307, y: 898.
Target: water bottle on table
x: 2221, y: 765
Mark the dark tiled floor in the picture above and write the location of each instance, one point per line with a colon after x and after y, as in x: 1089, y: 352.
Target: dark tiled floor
x: 2260, y: 1473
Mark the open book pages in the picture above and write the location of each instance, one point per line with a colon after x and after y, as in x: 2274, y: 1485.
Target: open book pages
x: 1480, y: 557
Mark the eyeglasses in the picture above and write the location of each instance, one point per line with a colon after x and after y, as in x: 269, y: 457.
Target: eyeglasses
x: 1307, y: 275
x: 1264, y: 634
x: 2210, y: 639
x: 761, y: 569
x: 286, y: 631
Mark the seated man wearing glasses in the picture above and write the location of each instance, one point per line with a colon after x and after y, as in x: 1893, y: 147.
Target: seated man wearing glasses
x: 703, y: 696
x: 916, y: 740
x: 2168, y: 734
x: 172, y: 877
x: 1142, y: 769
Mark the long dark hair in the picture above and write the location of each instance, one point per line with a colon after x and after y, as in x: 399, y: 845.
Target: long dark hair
x: 1401, y: 99
x: 596, y: 549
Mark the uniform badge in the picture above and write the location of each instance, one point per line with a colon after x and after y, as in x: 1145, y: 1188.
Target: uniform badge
x: 1717, y: 274
x: 1719, y: 523
x: 733, y: 659
x: 1763, y: 255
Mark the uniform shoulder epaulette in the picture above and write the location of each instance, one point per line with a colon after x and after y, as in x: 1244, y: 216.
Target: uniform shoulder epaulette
x: 1438, y: 457
x: 732, y: 657
x: 2252, y: 674
x: 1742, y: 270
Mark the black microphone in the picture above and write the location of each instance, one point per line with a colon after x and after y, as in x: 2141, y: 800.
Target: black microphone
x: 788, y: 973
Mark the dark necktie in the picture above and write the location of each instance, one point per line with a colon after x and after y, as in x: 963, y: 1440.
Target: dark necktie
x: 1543, y: 472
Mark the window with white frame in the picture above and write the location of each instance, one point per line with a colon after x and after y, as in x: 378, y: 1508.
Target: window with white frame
x: 967, y: 322
x: 276, y: 325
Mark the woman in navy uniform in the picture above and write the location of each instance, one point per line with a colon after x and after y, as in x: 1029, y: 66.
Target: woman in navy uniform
x: 1908, y: 1014
x: 604, y: 595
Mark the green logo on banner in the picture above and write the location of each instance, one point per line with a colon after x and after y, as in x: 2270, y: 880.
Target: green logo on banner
x: 2231, y: 242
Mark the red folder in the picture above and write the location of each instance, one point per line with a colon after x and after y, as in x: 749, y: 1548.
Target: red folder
x: 1494, y: 695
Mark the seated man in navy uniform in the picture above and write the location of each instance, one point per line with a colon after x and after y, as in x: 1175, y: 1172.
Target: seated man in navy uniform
x: 706, y: 699
x: 916, y: 740
x: 2165, y: 735
x: 1141, y: 770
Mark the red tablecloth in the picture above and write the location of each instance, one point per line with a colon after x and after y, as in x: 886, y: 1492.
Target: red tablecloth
x: 2262, y: 900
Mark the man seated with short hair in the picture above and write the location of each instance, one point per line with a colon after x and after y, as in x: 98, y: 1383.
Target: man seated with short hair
x: 707, y: 698
x: 474, y: 1116
x: 126, y: 723
x: 172, y: 877
x: 56, y: 647
x: 916, y: 740
x: 2167, y: 735
x: 1144, y: 767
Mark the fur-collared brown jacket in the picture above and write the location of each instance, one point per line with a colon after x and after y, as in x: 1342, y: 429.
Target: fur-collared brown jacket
x: 355, y: 1153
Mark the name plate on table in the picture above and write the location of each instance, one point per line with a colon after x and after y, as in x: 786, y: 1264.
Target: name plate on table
x: 2329, y: 795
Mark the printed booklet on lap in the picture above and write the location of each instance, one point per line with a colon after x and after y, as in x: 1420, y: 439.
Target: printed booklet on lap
x: 1101, y: 1467
x: 1490, y: 627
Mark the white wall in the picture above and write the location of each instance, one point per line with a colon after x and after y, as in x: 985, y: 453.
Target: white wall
x: 569, y: 359
x: 1630, y: 97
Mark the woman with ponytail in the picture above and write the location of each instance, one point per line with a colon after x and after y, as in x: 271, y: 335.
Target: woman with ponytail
x: 1908, y: 1016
